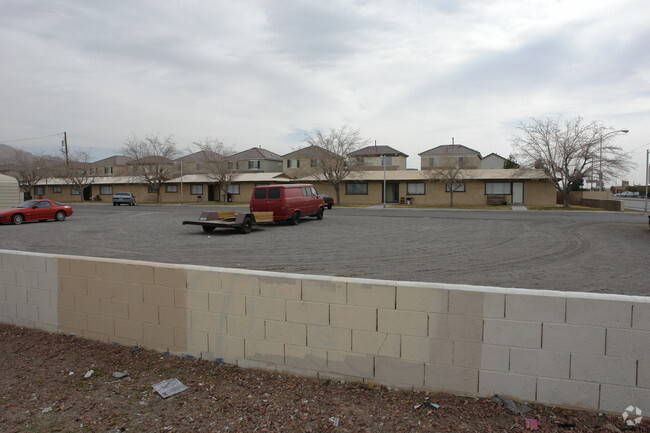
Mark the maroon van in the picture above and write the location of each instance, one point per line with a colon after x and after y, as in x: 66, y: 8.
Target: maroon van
x: 288, y: 202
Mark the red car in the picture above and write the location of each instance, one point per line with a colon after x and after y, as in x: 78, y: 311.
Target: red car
x: 35, y: 210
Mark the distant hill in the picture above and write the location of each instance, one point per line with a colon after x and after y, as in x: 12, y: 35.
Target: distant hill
x: 8, y: 152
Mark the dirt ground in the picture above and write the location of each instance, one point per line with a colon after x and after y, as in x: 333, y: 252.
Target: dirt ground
x: 43, y: 388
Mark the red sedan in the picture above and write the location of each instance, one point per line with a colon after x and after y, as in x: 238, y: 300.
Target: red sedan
x: 35, y: 210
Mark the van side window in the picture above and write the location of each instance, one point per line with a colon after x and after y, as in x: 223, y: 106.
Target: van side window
x: 274, y: 192
x: 260, y: 193
x: 305, y: 191
x: 313, y: 191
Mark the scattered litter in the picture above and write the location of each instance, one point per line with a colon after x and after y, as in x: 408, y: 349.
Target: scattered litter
x: 613, y: 429
x: 46, y: 410
x: 517, y: 408
x: 335, y: 420
x: 218, y: 361
x: 427, y: 403
x: 531, y: 424
x: 169, y: 387
x: 120, y: 375
x: 71, y: 373
x: 88, y: 374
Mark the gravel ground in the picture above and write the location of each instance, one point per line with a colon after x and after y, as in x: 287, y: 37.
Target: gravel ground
x: 44, y: 389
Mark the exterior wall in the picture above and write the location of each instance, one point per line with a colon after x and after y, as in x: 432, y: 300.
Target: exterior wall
x: 492, y: 162
x: 10, y: 194
x: 374, y: 163
x: 470, y: 161
x: 561, y: 348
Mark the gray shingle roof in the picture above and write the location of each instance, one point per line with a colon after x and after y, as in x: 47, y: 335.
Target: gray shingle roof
x: 310, y: 152
x: 257, y: 153
x: 450, y: 149
x: 378, y: 151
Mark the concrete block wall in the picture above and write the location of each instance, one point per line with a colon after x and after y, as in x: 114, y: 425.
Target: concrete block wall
x: 561, y: 348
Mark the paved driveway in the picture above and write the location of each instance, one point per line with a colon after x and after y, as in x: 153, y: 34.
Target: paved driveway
x: 558, y: 250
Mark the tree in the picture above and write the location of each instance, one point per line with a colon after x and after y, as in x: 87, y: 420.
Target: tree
x: 218, y: 166
x: 29, y: 169
x: 78, y: 172
x: 450, y: 174
x: 566, y: 150
x: 334, y: 164
x: 153, y: 158
x: 511, y: 162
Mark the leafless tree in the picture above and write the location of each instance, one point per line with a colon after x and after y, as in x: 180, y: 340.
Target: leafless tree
x: 334, y: 163
x: 152, y: 156
x: 450, y: 174
x: 29, y: 169
x: 218, y: 166
x: 567, y: 149
x: 77, y: 171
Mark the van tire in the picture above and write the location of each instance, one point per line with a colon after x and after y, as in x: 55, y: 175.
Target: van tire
x: 208, y: 229
x: 320, y: 213
x: 294, y: 219
x: 246, y: 225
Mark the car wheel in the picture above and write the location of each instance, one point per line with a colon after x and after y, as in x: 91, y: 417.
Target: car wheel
x: 60, y: 216
x: 329, y: 206
x: 319, y: 214
x: 294, y: 219
x: 246, y: 226
x: 208, y: 229
x: 114, y: 204
x: 17, y: 219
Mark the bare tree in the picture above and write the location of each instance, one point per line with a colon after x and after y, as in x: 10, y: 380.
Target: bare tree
x: 334, y: 164
x: 152, y: 157
x: 218, y: 166
x: 29, y: 169
x: 566, y: 150
x: 450, y: 174
x: 78, y: 172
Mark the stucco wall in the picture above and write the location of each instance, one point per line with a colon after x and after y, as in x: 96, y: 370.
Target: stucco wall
x: 574, y: 349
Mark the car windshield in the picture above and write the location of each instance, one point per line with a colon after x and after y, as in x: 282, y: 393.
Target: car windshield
x: 123, y: 193
x: 28, y: 203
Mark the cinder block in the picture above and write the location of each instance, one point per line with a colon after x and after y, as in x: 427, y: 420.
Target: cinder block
x: 194, y: 299
x: 93, y: 336
x: 403, y: 322
x: 72, y: 284
x: 574, y: 338
x: 170, y: 277
x: 280, y: 287
x: 131, y: 292
x: 265, y: 308
x: 140, y: 274
x: 457, y: 328
x: 35, y: 263
x: 123, y: 341
x: 209, y: 322
x: 128, y: 329
x: 426, y: 299
x: 353, y: 317
x: 27, y: 312
x: 628, y: 343
x: 351, y: 364
x: 308, y: 358
x: 157, y: 337
x: 371, y: 295
x: 101, y: 325
x: 159, y: 295
x: 603, y: 369
x: 12, y: 261
x: 181, y: 297
x: 243, y: 284
x: 643, y: 379
x: 311, y: 313
x: 64, y: 301
x: 514, y: 385
x: 512, y: 333
x: 286, y: 332
x: 52, y: 265
x: 495, y: 358
x: 246, y: 327
x: 3, y: 292
x: 227, y: 303
x: 73, y: 320
x: 544, y: 363
x: 477, y: 304
x: 616, y: 399
x: 429, y: 350
x: 99, y: 288
x: 599, y: 312
x: 567, y: 392
x: 326, y: 337
x: 264, y: 351
x: 399, y: 371
x: 451, y: 378
x: 48, y: 316
x: 111, y: 271
x: 466, y: 354
x: 146, y: 313
x: 331, y: 292
x: 113, y: 308
x: 174, y: 317
x: 87, y: 304
x: 38, y: 297
x: 197, y: 341
x: 48, y: 281
x: 8, y: 276
x: 82, y: 268
x: 530, y: 308
x: 376, y: 343
x: 25, y: 323
x: 641, y: 316
x: 204, y: 281
x: 7, y: 311
x: 27, y: 279
x: 226, y: 346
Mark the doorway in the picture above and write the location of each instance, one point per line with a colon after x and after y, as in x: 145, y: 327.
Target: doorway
x: 517, y: 193
x: 214, y: 192
x: 392, y: 192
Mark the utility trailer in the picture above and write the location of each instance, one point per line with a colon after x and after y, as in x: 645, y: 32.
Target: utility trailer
x: 242, y: 222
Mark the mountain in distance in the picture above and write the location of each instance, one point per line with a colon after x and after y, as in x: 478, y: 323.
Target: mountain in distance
x: 7, y: 152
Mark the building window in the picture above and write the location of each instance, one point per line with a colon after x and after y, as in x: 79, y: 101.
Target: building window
x: 74, y: 191
x: 57, y: 189
x: 498, y: 188
x: 196, y: 189
x: 233, y: 188
x: 356, y: 188
x: 108, y: 170
x: 461, y: 161
x: 152, y: 189
x: 171, y: 188
x: 106, y: 190
x: 455, y: 187
x: 415, y: 188
x: 254, y: 164
x: 388, y: 160
x: 432, y: 162
x: 359, y: 160
x: 293, y: 163
x: 39, y: 190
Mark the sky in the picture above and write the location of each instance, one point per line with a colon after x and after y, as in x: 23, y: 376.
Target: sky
x: 410, y: 74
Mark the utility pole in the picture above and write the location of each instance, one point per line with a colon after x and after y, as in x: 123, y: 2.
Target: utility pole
x: 647, y: 170
x: 65, y: 144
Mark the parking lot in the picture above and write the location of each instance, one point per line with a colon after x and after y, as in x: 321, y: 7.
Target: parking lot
x: 604, y: 252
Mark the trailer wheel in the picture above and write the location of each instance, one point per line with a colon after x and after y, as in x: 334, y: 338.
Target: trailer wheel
x: 246, y: 226
x: 208, y: 229
x: 320, y: 213
x: 294, y: 219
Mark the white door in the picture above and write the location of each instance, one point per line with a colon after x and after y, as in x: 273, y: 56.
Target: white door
x: 517, y: 193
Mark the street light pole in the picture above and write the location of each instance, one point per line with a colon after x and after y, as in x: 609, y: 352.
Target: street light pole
x: 601, y: 187
x: 647, y: 169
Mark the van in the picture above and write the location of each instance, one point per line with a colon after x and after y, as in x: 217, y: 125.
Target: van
x: 288, y: 202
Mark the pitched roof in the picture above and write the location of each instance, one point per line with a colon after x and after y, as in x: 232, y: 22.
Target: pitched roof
x: 310, y: 152
x: 114, y: 160
x: 257, y: 153
x: 378, y: 151
x: 470, y: 174
x: 450, y: 149
x: 151, y: 160
x: 200, y: 156
x: 494, y: 155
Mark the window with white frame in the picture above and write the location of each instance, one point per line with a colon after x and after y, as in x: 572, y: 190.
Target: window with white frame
x: 498, y: 188
x: 196, y: 189
x: 152, y: 189
x: 172, y: 187
x: 74, y: 191
x: 293, y: 163
x: 108, y: 170
x: 106, y: 190
x: 233, y: 188
x: 432, y: 162
x: 254, y: 164
x: 455, y: 187
x: 415, y: 188
x: 356, y: 188
x: 39, y: 190
x: 56, y: 189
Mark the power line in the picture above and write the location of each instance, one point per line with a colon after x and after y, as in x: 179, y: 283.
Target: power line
x: 34, y: 138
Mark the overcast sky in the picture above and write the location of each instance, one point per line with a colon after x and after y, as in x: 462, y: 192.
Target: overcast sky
x: 409, y: 74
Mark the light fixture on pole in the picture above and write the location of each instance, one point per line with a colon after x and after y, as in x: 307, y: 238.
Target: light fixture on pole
x: 601, y: 186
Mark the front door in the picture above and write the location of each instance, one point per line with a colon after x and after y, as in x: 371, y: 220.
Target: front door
x: 214, y: 192
x: 517, y: 193
x: 392, y: 192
